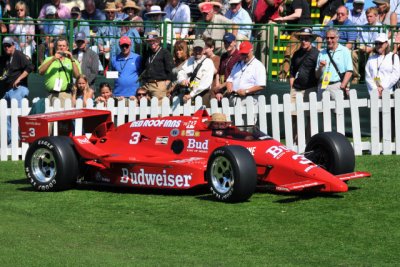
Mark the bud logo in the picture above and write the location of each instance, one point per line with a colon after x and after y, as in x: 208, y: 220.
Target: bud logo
x: 155, y: 179
x: 277, y: 151
x: 197, y: 146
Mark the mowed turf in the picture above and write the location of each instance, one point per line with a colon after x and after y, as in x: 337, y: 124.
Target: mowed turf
x: 94, y: 226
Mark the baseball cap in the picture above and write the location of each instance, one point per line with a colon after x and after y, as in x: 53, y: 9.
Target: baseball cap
x: 207, y: 8
x: 125, y: 40
x: 76, y: 10
x: 80, y: 36
x: 245, y: 47
x: 234, y: 1
x: 229, y: 37
x: 199, y: 43
x: 358, y: 2
x: 381, y: 38
x: 51, y: 10
x: 8, y: 40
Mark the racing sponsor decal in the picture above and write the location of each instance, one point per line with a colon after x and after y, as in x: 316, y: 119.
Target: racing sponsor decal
x: 174, y: 132
x: 197, y: 134
x: 277, y: 151
x: 83, y: 140
x: 197, y: 146
x: 156, y: 123
x: 189, y: 132
x: 163, y: 179
x: 100, y: 178
x: 183, y: 132
x: 45, y: 143
x: 190, y: 124
x: 162, y: 140
x: 304, y: 161
x: 252, y: 150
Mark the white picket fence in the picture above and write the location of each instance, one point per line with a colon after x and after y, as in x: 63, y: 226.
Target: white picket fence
x: 267, y: 117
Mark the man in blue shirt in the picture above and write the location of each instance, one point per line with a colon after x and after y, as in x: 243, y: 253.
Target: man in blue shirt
x: 239, y: 15
x: 128, y: 65
x: 333, y: 79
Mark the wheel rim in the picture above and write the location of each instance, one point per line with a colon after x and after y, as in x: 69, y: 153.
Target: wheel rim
x: 320, y: 156
x: 43, y: 165
x: 222, y: 177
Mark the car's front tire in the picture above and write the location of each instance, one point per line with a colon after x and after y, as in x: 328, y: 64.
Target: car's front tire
x: 231, y: 174
x: 51, y: 164
x: 332, y: 151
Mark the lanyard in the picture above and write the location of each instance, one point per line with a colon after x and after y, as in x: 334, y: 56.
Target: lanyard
x: 151, y: 59
x: 243, y: 68
x: 332, y: 55
x: 123, y: 67
x: 176, y: 10
x: 379, y: 66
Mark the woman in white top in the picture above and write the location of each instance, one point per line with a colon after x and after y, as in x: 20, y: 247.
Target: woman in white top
x: 382, y: 70
x: 24, y: 29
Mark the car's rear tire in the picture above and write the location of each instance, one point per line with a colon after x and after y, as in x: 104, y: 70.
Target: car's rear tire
x: 332, y: 151
x: 231, y: 174
x: 51, y: 164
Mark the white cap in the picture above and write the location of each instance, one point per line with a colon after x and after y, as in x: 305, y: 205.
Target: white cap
x: 51, y: 10
x: 382, y: 38
x: 358, y: 1
x: 235, y: 1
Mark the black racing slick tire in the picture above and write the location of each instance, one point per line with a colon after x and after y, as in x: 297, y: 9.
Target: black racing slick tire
x: 231, y: 174
x: 51, y: 164
x: 332, y: 151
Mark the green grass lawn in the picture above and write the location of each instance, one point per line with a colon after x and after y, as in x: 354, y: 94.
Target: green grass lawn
x: 109, y: 227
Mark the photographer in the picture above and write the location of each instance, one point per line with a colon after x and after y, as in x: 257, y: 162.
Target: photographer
x: 196, y: 76
x: 59, y: 71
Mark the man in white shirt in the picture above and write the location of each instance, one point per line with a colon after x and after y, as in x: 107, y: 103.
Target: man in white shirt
x: 178, y: 12
x: 197, y: 73
x: 248, y: 76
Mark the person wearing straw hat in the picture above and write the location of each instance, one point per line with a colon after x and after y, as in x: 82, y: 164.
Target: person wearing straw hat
x: 155, y: 19
x: 108, y: 34
x: 132, y: 10
x: 157, y: 67
x: 218, y: 121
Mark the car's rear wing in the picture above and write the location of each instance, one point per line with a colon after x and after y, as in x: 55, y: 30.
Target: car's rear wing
x: 36, y: 126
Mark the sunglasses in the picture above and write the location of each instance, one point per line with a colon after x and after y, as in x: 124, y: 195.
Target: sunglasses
x: 341, y: 14
x: 307, y: 39
x: 7, y: 45
x: 141, y: 94
x: 129, y: 9
x: 379, y: 43
x: 124, y: 46
x: 20, y: 10
x: 233, y: 5
x: 330, y: 38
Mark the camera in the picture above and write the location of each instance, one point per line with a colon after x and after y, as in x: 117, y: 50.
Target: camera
x: 63, y: 54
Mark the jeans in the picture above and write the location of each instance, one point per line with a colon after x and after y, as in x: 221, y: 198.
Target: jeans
x: 18, y: 93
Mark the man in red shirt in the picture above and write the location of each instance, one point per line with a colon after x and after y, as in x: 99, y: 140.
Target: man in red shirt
x: 265, y: 12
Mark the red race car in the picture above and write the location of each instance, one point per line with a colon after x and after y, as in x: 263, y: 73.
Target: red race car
x: 179, y: 152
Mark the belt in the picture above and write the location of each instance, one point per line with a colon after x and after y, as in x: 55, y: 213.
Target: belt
x: 155, y: 81
x: 57, y: 92
x: 334, y: 82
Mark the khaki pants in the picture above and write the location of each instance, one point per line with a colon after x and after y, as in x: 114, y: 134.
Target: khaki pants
x: 156, y: 89
x: 61, y: 95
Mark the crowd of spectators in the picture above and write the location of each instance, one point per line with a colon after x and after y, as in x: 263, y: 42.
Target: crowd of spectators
x: 223, y: 55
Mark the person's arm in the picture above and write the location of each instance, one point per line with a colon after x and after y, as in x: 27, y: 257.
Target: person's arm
x: 44, y: 67
x: 321, y: 3
x: 250, y: 91
x: 294, y: 16
x: 23, y: 75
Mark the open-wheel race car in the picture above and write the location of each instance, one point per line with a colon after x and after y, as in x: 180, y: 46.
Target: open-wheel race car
x: 178, y: 152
